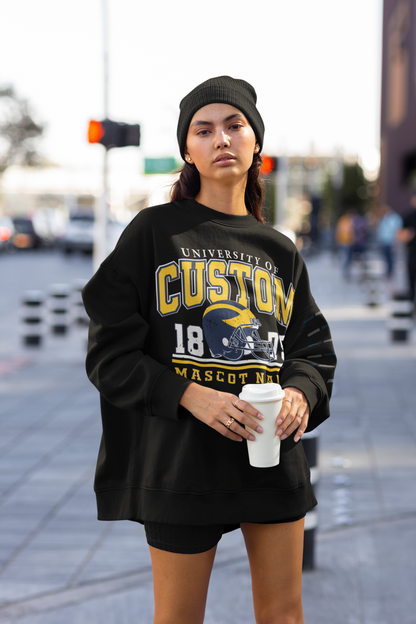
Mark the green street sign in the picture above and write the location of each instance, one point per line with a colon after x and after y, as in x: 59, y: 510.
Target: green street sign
x: 160, y: 165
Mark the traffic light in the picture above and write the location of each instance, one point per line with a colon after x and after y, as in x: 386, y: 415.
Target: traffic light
x: 269, y: 164
x: 113, y: 133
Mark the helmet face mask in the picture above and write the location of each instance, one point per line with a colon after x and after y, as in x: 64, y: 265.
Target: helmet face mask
x: 247, y: 339
x: 231, y: 331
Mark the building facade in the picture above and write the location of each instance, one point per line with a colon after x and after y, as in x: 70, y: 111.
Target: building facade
x: 398, y: 104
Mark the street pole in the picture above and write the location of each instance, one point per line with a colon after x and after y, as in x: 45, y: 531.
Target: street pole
x: 101, y: 207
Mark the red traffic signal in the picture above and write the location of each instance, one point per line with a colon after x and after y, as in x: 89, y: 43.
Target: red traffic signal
x: 113, y: 133
x: 95, y: 131
x: 5, y: 233
x: 269, y: 164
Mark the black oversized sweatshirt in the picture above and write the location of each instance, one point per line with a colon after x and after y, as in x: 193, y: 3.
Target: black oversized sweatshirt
x: 194, y: 295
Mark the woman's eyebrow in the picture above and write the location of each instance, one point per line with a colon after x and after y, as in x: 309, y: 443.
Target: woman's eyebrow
x: 200, y: 122
x: 233, y: 116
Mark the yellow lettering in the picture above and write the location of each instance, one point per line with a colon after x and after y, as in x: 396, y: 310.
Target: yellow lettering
x: 220, y: 376
x: 208, y: 375
x: 231, y: 378
x: 193, y: 282
x: 284, y: 304
x: 241, y: 273
x: 220, y: 288
x: 259, y: 377
x: 195, y: 374
x: 269, y: 379
x: 180, y: 372
x: 242, y: 377
x: 167, y: 304
x: 263, y: 295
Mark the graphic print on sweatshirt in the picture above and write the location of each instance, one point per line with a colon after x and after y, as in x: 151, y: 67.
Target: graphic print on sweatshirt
x: 229, y: 316
x: 231, y: 330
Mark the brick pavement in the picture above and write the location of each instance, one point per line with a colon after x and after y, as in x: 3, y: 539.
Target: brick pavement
x: 58, y: 565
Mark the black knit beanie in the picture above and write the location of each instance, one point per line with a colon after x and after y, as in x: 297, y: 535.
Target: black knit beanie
x: 223, y: 90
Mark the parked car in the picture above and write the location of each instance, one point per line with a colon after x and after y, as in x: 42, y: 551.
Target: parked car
x: 25, y: 236
x: 79, y: 233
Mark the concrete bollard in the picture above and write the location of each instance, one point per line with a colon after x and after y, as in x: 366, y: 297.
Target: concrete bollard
x: 58, y: 308
x: 373, y: 282
x: 32, y: 318
x: 400, y: 322
x: 78, y: 313
x: 310, y: 445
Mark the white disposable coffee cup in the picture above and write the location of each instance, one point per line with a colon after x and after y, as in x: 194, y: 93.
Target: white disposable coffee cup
x: 264, y: 451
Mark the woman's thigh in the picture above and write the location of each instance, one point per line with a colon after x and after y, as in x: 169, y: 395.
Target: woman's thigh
x: 275, y: 553
x: 180, y: 585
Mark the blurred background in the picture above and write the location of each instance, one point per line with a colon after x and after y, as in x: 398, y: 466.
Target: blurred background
x: 316, y: 69
x: 89, y: 101
x: 335, y: 88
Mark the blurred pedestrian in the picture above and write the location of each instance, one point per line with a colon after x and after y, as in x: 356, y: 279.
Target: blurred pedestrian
x: 351, y: 234
x: 361, y: 229
x: 407, y: 235
x: 389, y: 223
x: 198, y: 298
x: 344, y: 236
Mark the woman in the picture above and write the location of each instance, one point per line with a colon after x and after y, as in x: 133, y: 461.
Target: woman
x: 199, y: 298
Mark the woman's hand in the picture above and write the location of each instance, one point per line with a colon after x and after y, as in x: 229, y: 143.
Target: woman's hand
x: 221, y: 411
x: 293, y: 415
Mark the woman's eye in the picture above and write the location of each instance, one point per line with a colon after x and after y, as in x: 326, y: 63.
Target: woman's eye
x: 202, y: 132
x: 236, y: 126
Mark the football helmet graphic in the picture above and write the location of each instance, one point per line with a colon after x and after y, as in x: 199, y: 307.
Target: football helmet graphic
x: 231, y: 330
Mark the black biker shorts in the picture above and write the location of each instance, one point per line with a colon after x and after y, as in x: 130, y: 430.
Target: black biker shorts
x: 191, y: 539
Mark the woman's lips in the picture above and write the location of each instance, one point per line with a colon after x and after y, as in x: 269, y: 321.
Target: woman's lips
x: 224, y: 159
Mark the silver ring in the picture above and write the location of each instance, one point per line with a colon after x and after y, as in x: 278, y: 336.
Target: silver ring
x: 287, y: 401
x: 229, y: 423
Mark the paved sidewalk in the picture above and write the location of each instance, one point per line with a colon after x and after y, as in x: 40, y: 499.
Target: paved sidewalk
x: 58, y: 565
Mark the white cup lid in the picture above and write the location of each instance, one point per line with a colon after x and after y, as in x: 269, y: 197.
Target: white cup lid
x: 262, y: 392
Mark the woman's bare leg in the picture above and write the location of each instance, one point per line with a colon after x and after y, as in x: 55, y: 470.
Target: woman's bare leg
x: 180, y: 585
x: 275, y: 554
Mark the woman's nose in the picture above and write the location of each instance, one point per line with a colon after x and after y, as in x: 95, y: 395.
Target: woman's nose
x: 222, y: 140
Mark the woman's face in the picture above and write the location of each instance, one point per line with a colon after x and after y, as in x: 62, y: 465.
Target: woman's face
x: 220, y: 143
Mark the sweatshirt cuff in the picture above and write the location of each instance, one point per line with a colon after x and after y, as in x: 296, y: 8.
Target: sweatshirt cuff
x: 166, y: 394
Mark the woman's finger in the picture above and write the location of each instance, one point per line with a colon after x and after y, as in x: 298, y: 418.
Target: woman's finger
x: 284, y: 411
x: 287, y: 401
x: 234, y: 431
x: 284, y: 429
x: 247, y: 415
x: 246, y: 408
x: 286, y: 417
x: 228, y: 430
x: 302, y: 427
x: 295, y: 424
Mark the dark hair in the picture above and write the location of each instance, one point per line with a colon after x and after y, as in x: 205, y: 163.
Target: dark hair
x: 188, y: 186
